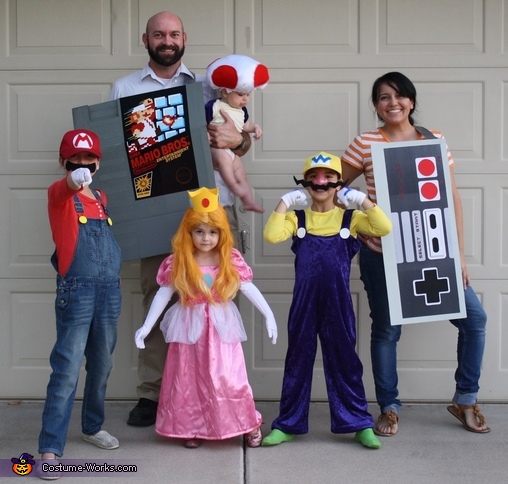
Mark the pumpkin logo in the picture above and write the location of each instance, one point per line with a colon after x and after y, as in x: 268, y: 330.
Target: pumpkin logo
x: 24, y: 465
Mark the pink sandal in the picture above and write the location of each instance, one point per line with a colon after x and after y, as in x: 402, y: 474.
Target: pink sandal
x: 254, y: 438
x: 192, y: 443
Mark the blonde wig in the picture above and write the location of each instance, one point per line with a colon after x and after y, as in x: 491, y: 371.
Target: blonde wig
x: 186, y: 276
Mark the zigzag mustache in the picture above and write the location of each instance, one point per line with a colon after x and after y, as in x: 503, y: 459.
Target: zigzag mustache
x: 306, y: 184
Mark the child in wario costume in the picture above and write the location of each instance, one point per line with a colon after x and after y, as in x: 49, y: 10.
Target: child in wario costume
x: 324, y: 241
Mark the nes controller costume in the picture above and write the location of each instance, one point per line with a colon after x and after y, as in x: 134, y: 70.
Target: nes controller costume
x: 421, y: 255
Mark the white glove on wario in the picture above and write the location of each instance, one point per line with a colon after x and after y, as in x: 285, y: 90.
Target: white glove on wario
x: 296, y: 197
x: 253, y: 294
x: 81, y: 177
x: 159, y: 303
x: 348, y: 195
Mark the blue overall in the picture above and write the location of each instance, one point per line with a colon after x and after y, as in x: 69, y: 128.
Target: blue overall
x: 322, y: 306
x: 87, y: 306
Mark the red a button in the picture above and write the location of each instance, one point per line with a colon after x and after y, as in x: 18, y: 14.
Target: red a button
x: 429, y: 191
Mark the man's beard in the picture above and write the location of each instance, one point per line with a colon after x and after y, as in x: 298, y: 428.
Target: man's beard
x: 165, y: 59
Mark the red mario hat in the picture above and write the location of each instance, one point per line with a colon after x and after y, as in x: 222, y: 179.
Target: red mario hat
x: 237, y: 73
x: 79, y: 141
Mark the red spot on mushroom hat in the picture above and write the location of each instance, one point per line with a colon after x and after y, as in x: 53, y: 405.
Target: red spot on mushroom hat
x: 237, y: 73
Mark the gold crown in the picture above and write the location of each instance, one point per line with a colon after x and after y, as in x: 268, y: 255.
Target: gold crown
x: 204, y: 199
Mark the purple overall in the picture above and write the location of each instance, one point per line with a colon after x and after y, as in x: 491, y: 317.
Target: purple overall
x: 322, y: 306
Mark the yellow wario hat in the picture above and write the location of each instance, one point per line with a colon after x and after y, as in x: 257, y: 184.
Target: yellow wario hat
x: 204, y: 199
x: 323, y: 160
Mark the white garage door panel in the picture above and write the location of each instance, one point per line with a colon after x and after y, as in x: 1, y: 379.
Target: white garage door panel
x: 38, y: 109
x: 86, y: 30
x: 485, y: 204
x: 303, y: 117
x: 322, y: 62
x: 504, y: 120
x: 307, y: 31
x: 457, y: 27
x: 27, y: 342
x: 58, y: 31
x: 25, y: 238
x: 463, y: 118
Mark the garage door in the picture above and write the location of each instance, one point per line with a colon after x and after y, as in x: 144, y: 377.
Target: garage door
x: 323, y: 57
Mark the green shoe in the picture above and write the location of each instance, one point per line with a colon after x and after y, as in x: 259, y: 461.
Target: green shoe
x: 276, y: 437
x: 367, y: 438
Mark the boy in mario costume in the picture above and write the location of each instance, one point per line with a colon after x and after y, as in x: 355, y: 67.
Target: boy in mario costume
x: 88, y: 262
x: 324, y: 241
x: 236, y: 77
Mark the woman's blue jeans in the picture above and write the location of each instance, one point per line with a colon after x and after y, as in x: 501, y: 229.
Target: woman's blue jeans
x: 384, y: 339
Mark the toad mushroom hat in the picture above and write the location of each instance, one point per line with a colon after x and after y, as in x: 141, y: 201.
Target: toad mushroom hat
x: 237, y: 73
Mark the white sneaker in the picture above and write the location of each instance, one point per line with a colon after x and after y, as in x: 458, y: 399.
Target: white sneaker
x: 102, y: 439
x: 46, y: 474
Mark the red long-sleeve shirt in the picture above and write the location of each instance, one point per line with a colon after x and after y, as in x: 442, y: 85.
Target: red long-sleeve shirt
x: 63, y: 219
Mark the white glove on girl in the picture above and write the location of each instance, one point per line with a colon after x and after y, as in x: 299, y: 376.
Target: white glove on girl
x: 296, y: 197
x: 159, y: 303
x: 348, y: 195
x: 255, y: 297
x: 81, y: 177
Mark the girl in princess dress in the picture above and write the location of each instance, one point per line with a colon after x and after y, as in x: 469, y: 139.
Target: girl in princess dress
x: 205, y: 393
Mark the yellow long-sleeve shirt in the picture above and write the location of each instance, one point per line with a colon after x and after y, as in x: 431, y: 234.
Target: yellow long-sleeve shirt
x: 282, y: 226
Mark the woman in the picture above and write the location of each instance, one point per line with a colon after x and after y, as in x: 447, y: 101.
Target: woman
x: 394, y: 99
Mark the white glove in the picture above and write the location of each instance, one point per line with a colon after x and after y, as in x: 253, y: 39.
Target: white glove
x: 346, y: 195
x: 255, y: 297
x: 296, y: 197
x: 159, y: 303
x: 81, y: 177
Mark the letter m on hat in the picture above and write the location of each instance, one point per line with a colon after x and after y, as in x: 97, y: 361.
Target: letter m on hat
x: 83, y: 141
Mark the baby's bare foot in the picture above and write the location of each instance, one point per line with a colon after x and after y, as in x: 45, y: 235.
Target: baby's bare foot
x: 253, y: 207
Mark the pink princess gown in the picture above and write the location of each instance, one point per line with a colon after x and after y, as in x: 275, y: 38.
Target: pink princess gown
x: 205, y: 392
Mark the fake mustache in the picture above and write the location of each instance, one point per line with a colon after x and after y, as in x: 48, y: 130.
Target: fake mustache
x: 70, y: 166
x: 306, y: 184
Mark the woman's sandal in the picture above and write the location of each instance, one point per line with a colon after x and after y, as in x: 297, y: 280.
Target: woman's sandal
x: 388, y: 419
x: 254, y: 438
x: 192, y: 443
x: 459, y: 413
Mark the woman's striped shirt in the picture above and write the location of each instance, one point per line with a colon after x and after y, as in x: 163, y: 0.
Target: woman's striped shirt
x: 359, y: 155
